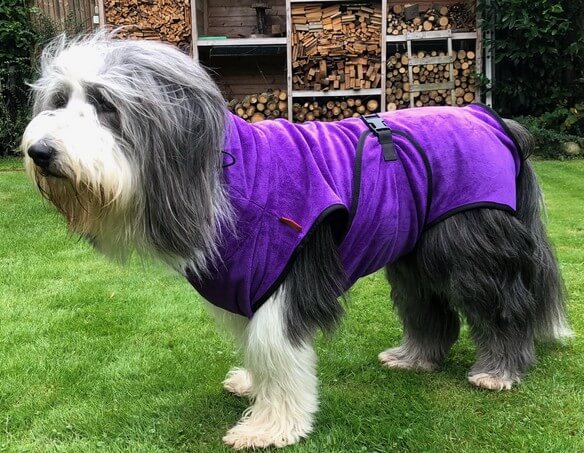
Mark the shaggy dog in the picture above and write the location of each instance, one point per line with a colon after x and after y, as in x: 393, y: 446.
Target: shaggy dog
x: 132, y: 143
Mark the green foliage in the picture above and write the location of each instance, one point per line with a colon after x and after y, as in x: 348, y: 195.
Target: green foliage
x: 23, y: 31
x: 552, y: 130
x: 17, y: 41
x: 46, y: 29
x: 539, y: 54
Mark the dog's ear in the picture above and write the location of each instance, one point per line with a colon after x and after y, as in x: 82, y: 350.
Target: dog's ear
x: 181, y: 169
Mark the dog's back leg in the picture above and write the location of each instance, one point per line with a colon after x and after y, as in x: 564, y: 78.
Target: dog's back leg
x: 483, y: 262
x: 430, y: 325
x: 547, y: 286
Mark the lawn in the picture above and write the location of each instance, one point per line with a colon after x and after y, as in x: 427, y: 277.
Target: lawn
x: 99, y: 357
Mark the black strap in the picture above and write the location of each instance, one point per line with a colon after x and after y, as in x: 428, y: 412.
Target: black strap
x: 383, y: 133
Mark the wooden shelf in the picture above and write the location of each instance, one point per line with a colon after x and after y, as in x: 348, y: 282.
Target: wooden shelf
x: 334, y: 93
x: 432, y: 36
x: 464, y: 35
x: 248, y: 42
x: 323, y: 1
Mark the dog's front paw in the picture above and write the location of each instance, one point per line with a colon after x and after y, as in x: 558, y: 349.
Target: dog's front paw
x: 492, y: 381
x: 400, y: 358
x: 261, y: 432
x: 238, y: 381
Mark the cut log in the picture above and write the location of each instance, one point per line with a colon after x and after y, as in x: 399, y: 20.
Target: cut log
x: 257, y: 107
x: 339, y: 49
x: 256, y: 117
x: 372, y: 105
x: 159, y: 20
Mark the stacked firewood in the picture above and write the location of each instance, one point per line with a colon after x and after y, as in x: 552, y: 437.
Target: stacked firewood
x: 258, y: 107
x: 333, y: 110
x: 398, y: 91
x: 336, y: 47
x: 161, y: 20
x: 398, y: 85
x: 409, y: 18
x: 464, y: 76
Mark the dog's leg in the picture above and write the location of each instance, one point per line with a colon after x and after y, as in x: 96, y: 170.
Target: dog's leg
x: 237, y: 380
x: 503, y: 354
x: 491, y: 288
x: 483, y: 262
x: 430, y: 326
x: 278, y: 347
x: 284, y: 384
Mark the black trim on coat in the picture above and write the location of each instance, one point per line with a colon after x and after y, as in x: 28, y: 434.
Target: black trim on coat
x: 336, y: 208
x: 426, y: 161
x: 467, y: 207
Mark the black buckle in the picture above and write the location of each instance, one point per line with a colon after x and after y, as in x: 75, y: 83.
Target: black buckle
x: 383, y: 133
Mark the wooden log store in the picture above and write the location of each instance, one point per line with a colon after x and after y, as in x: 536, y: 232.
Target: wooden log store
x: 319, y: 60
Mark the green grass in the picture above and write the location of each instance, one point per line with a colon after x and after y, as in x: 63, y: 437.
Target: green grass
x: 98, y: 357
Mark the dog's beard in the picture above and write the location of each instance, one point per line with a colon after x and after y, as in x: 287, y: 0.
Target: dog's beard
x: 90, y: 182
x: 83, y: 206
x: 106, y: 218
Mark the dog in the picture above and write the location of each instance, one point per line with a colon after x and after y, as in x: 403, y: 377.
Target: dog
x: 272, y: 222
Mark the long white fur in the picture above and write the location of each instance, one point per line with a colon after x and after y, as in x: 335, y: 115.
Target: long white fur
x: 85, y: 149
x: 279, y: 378
x: 88, y: 154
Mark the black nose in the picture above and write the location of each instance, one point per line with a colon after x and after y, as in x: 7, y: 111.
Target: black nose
x: 41, y: 154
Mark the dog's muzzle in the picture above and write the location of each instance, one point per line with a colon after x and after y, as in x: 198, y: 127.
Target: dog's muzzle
x: 41, y: 154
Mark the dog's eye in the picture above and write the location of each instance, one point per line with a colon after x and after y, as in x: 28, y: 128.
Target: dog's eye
x: 101, y: 104
x: 59, y: 100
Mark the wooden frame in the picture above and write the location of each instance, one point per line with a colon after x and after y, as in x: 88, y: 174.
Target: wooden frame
x: 335, y: 93
x: 101, y: 9
x: 287, y: 41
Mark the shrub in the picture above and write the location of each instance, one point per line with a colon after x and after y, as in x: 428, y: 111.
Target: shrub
x: 539, y: 54
x: 23, y: 31
x: 17, y: 42
x: 554, y: 131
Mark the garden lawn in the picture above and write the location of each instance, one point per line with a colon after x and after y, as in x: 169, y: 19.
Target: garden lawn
x: 95, y: 356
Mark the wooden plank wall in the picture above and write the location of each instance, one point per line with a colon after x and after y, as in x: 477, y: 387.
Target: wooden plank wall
x: 238, y: 77
x: 237, y: 19
x: 59, y: 10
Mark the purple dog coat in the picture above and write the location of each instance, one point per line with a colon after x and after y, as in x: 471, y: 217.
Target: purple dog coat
x: 284, y: 179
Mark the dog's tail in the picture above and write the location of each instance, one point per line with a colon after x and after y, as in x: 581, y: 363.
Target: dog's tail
x: 546, y: 285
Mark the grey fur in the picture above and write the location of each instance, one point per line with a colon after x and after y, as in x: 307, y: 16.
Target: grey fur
x: 314, y: 283
x: 496, y: 270
x: 171, y: 124
x: 548, y: 285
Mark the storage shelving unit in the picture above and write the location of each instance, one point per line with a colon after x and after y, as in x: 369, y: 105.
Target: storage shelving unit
x: 448, y: 59
x: 199, y: 21
x: 296, y: 94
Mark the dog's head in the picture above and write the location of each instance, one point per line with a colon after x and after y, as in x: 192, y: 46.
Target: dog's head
x: 126, y: 142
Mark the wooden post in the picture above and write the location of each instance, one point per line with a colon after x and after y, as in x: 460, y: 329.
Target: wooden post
x: 101, y: 8
x: 194, y: 31
x: 410, y: 72
x: 205, y: 17
x: 452, y: 96
x: 383, y: 55
x: 289, y: 58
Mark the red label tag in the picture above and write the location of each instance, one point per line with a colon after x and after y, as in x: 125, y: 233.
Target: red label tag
x: 291, y: 223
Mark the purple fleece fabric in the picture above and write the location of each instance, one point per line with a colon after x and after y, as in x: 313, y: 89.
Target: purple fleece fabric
x: 284, y: 178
